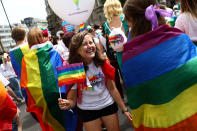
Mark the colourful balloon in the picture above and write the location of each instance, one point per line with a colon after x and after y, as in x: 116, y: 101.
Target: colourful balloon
x: 74, y: 12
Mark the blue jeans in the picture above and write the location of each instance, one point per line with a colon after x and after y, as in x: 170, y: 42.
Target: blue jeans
x: 15, y: 87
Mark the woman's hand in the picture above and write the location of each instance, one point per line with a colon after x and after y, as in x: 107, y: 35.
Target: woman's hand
x: 64, y: 104
x: 129, y: 117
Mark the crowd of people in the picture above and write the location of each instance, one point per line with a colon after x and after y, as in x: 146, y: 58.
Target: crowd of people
x: 101, y: 50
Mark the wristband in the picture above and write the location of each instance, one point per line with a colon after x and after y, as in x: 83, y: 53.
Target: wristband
x: 127, y: 110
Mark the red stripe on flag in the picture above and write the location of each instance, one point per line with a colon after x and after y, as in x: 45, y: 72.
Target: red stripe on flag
x: 31, y: 104
x: 188, y: 124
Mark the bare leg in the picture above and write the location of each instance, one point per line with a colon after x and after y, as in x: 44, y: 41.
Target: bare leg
x: 18, y: 120
x: 111, y: 122
x: 12, y: 94
x: 94, y: 125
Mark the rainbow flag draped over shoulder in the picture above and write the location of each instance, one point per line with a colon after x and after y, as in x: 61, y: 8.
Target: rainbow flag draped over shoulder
x: 71, y: 74
x: 8, y: 109
x: 16, y: 55
x: 39, y: 78
x: 159, y: 69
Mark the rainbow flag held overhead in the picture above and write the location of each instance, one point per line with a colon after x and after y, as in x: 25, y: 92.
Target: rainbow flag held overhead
x: 71, y: 74
x: 8, y: 109
x: 39, y: 78
x: 16, y: 55
x: 160, y: 74
x: 82, y: 27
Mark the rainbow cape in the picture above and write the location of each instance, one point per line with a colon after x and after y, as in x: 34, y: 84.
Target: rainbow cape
x: 16, y: 55
x: 160, y: 74
x: 39, y: 78
x: 71, y: 74
x: 8, y: 109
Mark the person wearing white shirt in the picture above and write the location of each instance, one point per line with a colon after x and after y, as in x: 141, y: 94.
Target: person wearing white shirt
x: 6, y: 83
x: 187, y: 20
x: 96, y: 103
x: 62, y: 50
x: 8, y: 72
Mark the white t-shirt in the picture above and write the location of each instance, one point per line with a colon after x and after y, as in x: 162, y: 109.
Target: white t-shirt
x: 96, y: 40
x: 4, y: 80
x: 188, y: 24
x: 62, y: 50
x: 7, y: 70
x: 98, y: 97
x: 103, y: 41
x: 117, y: 39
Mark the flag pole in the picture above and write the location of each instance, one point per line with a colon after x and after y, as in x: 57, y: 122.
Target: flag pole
x: 60, y: 93
x: 6, y: 15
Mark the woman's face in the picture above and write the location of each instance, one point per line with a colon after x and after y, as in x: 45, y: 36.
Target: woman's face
x: 5, y: 60
x: 87, y: 49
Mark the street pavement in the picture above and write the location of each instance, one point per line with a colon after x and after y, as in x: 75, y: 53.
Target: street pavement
x: 29, y: 124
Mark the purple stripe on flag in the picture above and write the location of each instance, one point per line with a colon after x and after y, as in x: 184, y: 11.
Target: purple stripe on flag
x: 150, y: 40
x: 69, y: 66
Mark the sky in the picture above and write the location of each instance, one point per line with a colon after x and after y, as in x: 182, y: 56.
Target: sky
x: 17, y: 10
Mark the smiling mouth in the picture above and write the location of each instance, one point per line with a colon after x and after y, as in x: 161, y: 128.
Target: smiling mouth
x: 90, y: 51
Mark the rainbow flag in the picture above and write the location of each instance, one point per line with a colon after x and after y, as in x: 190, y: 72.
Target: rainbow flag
x: 71, y: 74
x: 82, y: 27
x: 16, y: 55
x: 159, y: 70
x: 8, y: 109
x: 39, y: 78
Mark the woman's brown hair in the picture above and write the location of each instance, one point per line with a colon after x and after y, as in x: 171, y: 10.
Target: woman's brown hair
x: 76, y: 43
x: 18, y: 33
x: 67, y: 38
x: 189, y: 6
x: 35, y: 36
x: 134, y: 11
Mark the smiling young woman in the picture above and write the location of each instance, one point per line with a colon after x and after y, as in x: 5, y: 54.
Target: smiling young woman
x: 98, y: 101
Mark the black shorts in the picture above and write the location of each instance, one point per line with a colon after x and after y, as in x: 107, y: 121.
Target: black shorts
x: 90, y: 115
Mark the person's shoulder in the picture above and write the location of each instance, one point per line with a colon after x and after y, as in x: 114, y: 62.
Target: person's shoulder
x: 183, y: 15
x: 122, y: 16
x: 24, y: 45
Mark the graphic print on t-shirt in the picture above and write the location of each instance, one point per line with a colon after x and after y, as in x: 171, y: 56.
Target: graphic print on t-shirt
x: 96, y: 80
x: 116, y: 39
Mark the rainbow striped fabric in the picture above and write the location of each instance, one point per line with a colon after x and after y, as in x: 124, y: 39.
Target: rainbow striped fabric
x: 71, y: 74
x: 82, y: 27
x: 159, y: 69
x: 8, y: 109
x: 39, y: 78
x: 16, y: 55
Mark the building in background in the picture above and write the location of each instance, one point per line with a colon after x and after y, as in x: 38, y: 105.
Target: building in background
x: 6, y: 41
x: 34, y: 22
x: 97, y: 16
x: 54, y: 22
x: 5, y: 38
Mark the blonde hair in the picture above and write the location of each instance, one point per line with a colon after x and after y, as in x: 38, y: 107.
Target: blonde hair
x: 35, y: 36
x: 112, y: 8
